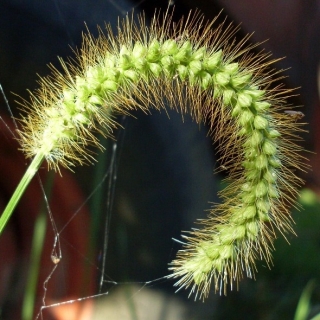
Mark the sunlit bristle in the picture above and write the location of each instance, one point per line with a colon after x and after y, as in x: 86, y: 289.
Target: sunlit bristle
x: 198, y: 68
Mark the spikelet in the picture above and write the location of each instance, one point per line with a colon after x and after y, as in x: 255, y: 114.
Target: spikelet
x: 197, y: 68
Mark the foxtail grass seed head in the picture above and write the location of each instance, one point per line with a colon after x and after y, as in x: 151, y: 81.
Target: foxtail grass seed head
x: 199, y: 69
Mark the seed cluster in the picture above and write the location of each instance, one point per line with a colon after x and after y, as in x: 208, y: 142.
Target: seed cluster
x: 223, y: 84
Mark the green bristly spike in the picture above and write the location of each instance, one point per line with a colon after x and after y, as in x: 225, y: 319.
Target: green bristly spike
x: 192, y: 68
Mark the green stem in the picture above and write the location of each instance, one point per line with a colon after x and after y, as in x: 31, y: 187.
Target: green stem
x: 24, y: 182
x: 37, y: 246
x: 35, y: 255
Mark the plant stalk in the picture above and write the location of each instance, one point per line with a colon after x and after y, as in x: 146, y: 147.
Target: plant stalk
x: 20, y: 189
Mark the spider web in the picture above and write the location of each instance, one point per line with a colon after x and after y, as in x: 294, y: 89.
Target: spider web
x: 123, y: 299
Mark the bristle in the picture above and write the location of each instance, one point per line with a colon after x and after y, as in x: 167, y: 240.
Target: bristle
x: 194, y: 68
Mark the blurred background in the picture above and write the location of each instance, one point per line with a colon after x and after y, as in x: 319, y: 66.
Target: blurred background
x: 156, y: 183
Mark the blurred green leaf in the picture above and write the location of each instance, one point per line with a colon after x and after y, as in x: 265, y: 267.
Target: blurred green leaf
x: 303, y: 307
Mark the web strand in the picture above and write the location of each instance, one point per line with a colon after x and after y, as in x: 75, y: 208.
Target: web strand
x: 10, y: 113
